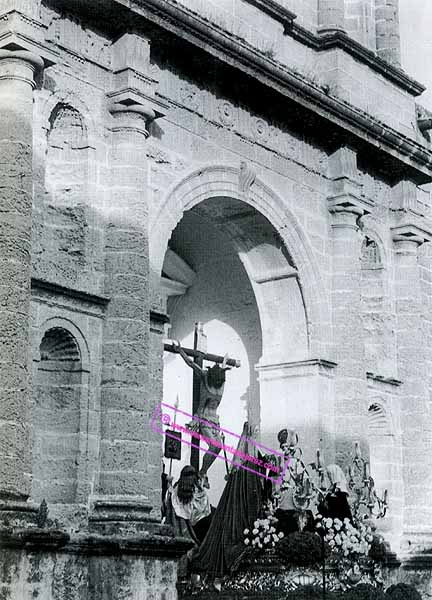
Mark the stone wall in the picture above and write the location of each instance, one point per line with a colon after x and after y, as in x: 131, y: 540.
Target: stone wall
x: 122, y: 134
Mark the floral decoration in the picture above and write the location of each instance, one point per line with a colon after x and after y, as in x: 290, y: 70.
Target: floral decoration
x: 346, y: 539
x: 263, y: 535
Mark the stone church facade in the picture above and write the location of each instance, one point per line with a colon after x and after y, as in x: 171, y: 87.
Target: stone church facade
x: 131, y: 133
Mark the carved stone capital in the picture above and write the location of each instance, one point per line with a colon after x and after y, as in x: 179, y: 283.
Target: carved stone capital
x: 20, y: 65
x: 23, y: 32
x: 410, y: 234
x: 132, y: 117
x: 134, y: 82
x: 345, y: 188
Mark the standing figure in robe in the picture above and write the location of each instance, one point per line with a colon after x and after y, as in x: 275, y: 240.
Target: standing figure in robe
x: 240, y: 505
x: 335, y: 504
x: 211, y: 392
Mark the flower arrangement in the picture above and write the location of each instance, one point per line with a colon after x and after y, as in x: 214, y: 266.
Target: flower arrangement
x: 263, y: 535
x: 344, y: 538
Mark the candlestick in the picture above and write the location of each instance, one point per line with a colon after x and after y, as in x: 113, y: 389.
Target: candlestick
x: 357, y: 450
x: 366, y: 470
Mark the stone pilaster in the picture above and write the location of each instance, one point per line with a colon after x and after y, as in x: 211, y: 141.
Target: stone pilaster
x: 387, y: 30
x: 408, y: 235
x: 17, y: 76
x: 347, y: 206
x: 130, y: 452
x: 331, y: 16
x: 123, y: 478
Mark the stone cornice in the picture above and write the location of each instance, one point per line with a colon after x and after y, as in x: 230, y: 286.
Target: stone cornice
x: 239, y: 54
x: 383, y: 379
x: 313, y: 362
x: 339, y: 39
x: 59, y: 290
x: 144, y: 544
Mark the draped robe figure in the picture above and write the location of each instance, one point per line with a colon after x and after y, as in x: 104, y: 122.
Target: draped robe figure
x: 240, y: 505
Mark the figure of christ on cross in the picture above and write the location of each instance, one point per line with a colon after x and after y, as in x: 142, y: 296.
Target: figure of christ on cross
x: 209, y: 383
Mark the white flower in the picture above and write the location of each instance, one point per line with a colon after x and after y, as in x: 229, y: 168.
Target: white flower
x: 246, y: 531
x: 281, y: 535
x: 331, y: 543
x: 246, y: 541
x: 255, y: 531
x: 266, y: 539
x: 256, y: 524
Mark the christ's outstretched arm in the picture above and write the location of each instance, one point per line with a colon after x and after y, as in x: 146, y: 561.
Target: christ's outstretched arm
x: 188, y: 360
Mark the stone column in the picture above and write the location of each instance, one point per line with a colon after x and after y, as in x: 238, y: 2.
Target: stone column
x: 347, y: 205
x: 17, y: 71
x: 413, y: 372
x: 387, y: 30
x: 125, y: 476
x: 331, y: 16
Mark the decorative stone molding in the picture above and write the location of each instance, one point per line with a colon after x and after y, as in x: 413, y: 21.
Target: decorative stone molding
x: 247, y: 178
x: 410, y: 233
x: 24, y: 65
x: 47, y: 289
x: 195, y: 29
x: 275, y: 275
x: 19, y: 31
x: 133, y: 117
x: 384, y: 380
x: 292, y: 369
x: 345, y: 189
x: 411, y: 218
x: 276, y: 11
x: 133, y: 85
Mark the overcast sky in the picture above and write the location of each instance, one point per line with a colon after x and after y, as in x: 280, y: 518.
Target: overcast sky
x: 416, y: 43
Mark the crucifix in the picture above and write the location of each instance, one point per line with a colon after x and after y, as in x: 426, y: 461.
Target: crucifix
x: 208, y: 386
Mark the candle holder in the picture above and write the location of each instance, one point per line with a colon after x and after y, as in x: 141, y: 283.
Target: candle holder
x: 298, y: 478
x: 366, y: 500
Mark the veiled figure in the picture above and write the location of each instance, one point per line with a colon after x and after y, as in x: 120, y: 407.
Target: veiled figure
x: 240, y: 505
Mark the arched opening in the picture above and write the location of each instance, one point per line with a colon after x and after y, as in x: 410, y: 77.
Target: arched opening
x: 227, y: 267
x: 57, y: 390
x: 386, y: 463
x: 377, y: 311
x: 66, y: 188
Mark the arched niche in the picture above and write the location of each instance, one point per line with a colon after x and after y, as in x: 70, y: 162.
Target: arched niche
x: 283, y: 282
x: 377, y: 310
x: 221, y: 181
x: 59, y: 381
x: 62, y: 212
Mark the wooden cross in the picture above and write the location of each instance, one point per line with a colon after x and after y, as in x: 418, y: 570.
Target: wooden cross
x: 199, y: 355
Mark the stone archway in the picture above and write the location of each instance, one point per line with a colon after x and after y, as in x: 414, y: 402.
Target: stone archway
x: 221, y: 181
x: 295, y: 386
